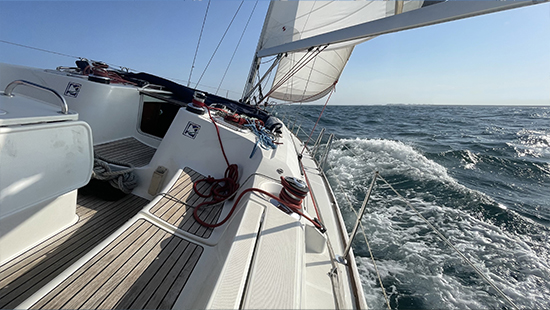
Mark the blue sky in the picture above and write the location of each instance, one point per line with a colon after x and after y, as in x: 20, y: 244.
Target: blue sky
x: 500, y: 58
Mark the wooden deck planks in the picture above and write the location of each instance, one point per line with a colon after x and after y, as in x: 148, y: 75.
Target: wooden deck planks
x: 127, y: 150
x: 144, y: 268
x: 24, y: 275
x: 177, y: 209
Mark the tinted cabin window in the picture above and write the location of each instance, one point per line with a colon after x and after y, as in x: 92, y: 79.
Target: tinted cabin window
x: 157, y: 115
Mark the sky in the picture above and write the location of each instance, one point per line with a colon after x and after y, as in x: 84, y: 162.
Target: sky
x: 497, y: 59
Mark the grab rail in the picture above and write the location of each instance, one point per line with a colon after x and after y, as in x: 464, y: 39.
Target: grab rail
x: 11, y: 86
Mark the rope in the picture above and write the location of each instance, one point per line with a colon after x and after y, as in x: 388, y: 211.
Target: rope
x: 198, y: 43
x: 236, y: 47
x: 264, y: 138
x: 221, y: 40
x: 124, y: 180
x: 222, y: 189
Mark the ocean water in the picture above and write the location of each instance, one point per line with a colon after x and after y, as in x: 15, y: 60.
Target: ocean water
x: 481, y: 175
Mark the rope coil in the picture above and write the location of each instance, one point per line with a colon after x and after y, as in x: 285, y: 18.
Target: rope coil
x: 124, y: 179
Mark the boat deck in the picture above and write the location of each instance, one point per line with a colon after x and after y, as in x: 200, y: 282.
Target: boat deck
x: 24, y: 275
x: 176, y: 208
x: 143, y: 268
x: 127, y: 150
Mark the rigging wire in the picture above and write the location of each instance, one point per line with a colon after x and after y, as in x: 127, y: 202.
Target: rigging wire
x: 198, y: 43
x: 60, y: 54
x: 319, y: 118
x: 221, y: 40
x: 484, y: 277
x: 238, y: 43
x: 302, y: 62
x: 268, y: 60
x: 442, y: 237
x: 366, y: 241
x: 39, y: 49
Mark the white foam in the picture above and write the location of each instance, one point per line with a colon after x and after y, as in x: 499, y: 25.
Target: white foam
x: 386, y: 156
x: 535, y: 143
x: 413, y: 258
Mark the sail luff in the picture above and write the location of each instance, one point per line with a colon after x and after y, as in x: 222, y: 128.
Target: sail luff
x: 433, y: 14
x: 256, y: 60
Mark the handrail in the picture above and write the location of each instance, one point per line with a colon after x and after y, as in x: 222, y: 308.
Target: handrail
x: 11, y: 86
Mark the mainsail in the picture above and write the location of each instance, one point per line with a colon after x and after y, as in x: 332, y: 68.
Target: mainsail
x: 289, y: 21
x: 314, y: 39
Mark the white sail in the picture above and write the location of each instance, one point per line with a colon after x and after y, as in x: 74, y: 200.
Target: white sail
x: 290, y: 21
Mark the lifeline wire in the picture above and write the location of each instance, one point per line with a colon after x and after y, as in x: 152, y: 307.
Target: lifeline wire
x: 453, y: 247
x: 366, y: 241
x: 446, y: 240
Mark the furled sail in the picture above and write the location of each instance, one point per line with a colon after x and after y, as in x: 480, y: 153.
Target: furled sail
x: 301, y: 77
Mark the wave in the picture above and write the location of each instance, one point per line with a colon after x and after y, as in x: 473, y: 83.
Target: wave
x: 417, y: 269
x: 534, y: 143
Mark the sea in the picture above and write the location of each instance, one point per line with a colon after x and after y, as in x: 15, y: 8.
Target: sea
x: 480, y: 175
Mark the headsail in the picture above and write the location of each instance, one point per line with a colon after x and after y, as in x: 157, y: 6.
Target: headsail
x: 289, y: 21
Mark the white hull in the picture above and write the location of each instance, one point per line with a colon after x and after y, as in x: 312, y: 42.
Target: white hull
x: 260, y: 258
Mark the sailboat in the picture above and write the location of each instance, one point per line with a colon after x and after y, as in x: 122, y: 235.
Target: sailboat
x: 127, y: 190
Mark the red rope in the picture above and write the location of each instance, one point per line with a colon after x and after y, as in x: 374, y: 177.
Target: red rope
x: 221, y: 188
x: 294, y: 208
x: 225, y: 187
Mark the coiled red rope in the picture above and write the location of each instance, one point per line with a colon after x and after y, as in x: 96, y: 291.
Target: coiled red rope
x: 221, y: 188
x: 226, y: 187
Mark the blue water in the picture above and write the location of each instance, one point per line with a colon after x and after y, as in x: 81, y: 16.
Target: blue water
x: 481, y: 175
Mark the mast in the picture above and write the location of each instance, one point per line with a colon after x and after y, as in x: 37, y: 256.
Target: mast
x: 256, y: 60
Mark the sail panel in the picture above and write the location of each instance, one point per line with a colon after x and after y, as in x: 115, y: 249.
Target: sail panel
x: 289, y: 21
x: 314, y: 80
x: 430, y: 15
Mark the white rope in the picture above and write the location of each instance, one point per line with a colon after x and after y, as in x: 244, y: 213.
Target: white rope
x: 124, y: 180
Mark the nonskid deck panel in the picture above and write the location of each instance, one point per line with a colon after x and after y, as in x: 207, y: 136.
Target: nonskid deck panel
x: 177, y: 207
x: 145, y: 267
x: 127, y: 150
x: 24, y: 275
